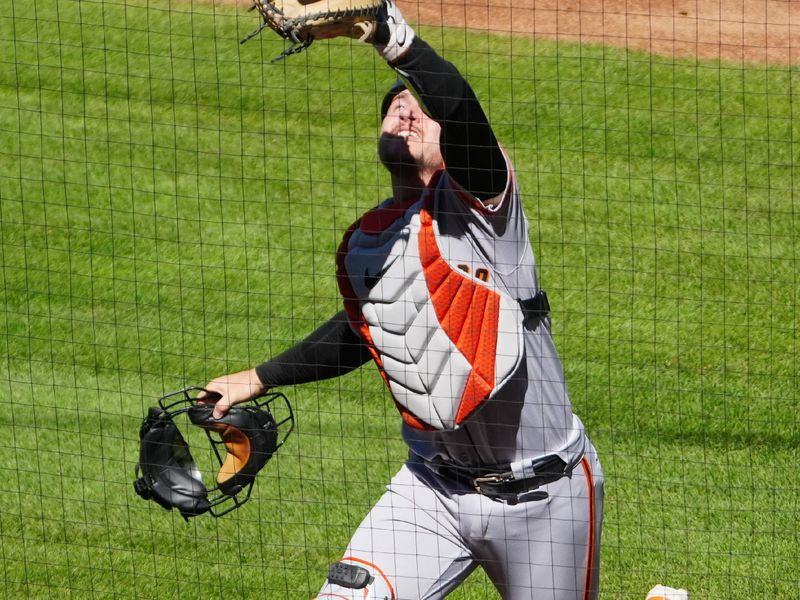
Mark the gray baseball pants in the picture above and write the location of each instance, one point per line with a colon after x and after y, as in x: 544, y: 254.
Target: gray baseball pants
x: 420, y: 541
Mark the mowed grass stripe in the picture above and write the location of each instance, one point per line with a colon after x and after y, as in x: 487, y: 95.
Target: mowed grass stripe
x: 170, y: 205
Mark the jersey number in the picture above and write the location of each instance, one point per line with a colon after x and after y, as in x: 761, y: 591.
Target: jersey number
x: 480, y: 274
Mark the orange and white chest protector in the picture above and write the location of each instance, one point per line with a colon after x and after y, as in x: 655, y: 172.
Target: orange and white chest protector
x: 444, y: 335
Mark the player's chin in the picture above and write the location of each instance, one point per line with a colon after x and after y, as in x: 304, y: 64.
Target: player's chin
x: 395, y: 153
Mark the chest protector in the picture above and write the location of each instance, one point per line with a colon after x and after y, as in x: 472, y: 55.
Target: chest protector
x: 444, y: 341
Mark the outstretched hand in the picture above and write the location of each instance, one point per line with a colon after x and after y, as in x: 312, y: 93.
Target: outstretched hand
x: 232, y: 389
x: 393, y: 36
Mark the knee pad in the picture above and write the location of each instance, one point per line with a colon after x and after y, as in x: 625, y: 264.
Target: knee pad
x: 356, y: 579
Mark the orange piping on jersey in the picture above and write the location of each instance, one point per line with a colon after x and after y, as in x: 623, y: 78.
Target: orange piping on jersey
x: 377, y: 568
x: 468, y: 313
x: 587, y: 589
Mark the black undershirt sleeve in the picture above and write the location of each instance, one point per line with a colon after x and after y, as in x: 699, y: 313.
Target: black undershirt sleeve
x: 469, y: 147
x: 332, y: 350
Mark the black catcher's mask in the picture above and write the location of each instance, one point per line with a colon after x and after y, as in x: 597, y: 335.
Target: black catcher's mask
x: 166, y: 471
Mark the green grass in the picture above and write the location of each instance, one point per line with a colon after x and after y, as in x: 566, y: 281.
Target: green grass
x: 170, y: 206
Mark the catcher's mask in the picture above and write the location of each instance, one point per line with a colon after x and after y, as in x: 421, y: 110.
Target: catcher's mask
x: 169, y: 475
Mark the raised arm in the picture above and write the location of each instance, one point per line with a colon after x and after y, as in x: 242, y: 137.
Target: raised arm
x: 470, y: 149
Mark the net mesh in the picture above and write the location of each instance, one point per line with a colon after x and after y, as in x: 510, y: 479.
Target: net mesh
x: 170, y: 207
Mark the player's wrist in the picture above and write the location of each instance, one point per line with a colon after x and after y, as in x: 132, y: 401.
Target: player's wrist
x: 393, y: 35
x: 269, y: 374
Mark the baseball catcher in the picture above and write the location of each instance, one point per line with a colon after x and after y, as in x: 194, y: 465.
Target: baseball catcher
x: 440, y: 291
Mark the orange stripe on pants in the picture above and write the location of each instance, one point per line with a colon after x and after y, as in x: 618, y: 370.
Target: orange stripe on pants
x: 587, y: 590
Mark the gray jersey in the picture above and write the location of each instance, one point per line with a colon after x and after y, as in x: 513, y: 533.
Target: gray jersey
x: 432, y: 286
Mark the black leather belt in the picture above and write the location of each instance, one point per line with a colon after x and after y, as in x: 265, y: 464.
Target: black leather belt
x: 503, y: 485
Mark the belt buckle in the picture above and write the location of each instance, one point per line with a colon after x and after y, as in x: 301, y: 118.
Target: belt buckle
x: 491, y: 479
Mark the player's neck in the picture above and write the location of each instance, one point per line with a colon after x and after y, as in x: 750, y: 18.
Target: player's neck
x: 409, y: 185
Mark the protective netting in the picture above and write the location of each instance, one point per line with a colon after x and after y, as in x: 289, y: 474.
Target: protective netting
x: 170, y: 208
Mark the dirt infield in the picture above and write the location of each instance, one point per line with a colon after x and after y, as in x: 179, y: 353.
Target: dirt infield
x: 734, y: 30
x: 738, y: 30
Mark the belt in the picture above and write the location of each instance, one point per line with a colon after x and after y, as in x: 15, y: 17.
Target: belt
x: 504, y: 485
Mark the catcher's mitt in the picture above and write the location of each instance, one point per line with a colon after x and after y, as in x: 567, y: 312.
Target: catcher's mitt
x: 250, y: 435
x: 303, y: 21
